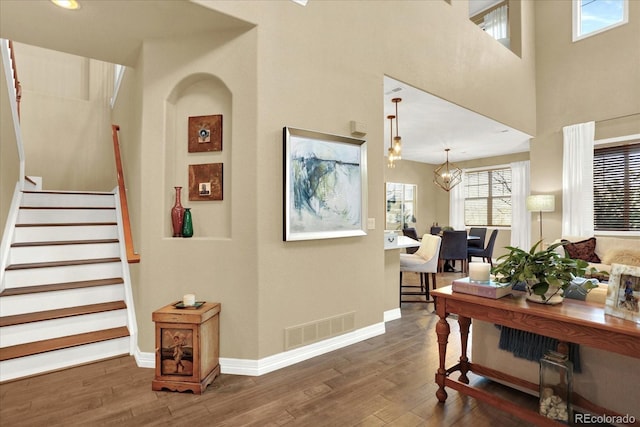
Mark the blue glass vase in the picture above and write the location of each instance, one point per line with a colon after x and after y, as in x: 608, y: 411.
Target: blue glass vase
x: 187, y: 223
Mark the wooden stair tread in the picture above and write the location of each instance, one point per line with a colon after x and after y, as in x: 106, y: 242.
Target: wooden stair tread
x: 29, y: 349
x: 69, y: 207
x: 66, y: 224
x: 93, y: 193
x: 60, y: 313
x: 63, y: 242
x: 60, y: 286
x: 61, y: 263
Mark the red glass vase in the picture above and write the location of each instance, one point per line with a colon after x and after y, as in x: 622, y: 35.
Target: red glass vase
x: 177, y: 214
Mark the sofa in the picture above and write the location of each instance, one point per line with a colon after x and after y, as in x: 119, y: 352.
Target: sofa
x: 607, y: 379
x: 602, y: 251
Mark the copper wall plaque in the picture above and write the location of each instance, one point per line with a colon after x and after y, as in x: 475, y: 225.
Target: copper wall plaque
x: 205, y: 182
x: 205, y: 133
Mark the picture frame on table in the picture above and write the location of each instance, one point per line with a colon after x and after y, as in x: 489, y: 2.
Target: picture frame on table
x: 325, y: 185
x: 623, y: 292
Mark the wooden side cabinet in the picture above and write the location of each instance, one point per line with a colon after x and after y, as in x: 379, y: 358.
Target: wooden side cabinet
x: 187, y: 347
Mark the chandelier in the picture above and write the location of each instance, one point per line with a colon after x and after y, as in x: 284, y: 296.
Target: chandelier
x: 447, y: 175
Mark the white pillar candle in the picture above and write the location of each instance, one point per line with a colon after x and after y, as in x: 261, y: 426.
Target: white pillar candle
x: 479, y: 271
x: 189, y: 299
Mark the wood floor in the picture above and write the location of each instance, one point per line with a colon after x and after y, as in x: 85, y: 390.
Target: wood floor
x: 384, y: 381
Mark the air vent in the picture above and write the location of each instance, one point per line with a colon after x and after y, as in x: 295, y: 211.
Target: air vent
x: 308, y: 333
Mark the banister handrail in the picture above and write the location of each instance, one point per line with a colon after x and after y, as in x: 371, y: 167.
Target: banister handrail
x: 8, y: 61
x: 16, y: 83
x: 132, y: 256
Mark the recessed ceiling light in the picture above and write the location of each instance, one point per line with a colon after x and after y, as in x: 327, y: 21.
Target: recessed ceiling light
x: 67, y: 4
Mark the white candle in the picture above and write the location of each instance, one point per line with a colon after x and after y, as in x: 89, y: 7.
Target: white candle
x: 189, y: 299
x: 479, y: 271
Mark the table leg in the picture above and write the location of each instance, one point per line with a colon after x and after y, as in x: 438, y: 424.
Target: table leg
x: 464, y: 323
x: 442, y: 330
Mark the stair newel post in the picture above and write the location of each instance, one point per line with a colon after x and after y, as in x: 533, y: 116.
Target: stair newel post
x: 177, y: 214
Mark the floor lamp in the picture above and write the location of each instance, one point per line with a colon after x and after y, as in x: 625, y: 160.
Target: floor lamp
x: 541, y: 203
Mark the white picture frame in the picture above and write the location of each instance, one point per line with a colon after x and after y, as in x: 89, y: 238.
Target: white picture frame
x: 325, y: 185
x: 623, y: 292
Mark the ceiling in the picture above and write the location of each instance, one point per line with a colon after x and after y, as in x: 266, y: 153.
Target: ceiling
x: 107, y: 30
x: 428, y: 125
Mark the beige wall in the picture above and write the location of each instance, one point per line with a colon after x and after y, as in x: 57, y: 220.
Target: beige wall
x: 65, y: 116
x: 322, y: 83
x: 594, y: 79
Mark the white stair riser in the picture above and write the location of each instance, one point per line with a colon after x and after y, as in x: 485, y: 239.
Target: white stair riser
x: 41, y: 301
x: 65, y: 216
x: 51, y: 275
x: 52, y: 360
x: 45, y: 199
x: 29, y: 254
x: 65, y: 233
x: 56, y: 328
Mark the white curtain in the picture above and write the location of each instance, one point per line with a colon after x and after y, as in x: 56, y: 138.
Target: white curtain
x: 577, y: 180
x: 495, y: 23
x: 520, y: 216
x: 456, y: 205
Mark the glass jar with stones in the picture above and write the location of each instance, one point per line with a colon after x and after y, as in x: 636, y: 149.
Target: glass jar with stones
x: 556, y: 376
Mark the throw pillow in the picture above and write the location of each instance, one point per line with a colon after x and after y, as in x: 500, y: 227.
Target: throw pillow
x: 622, y: 256
x: 584, y: 250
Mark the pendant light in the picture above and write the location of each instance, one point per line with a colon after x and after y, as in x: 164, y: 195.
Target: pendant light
x: 447, y: 175
x: 391, y: 157
x: 397, y: 141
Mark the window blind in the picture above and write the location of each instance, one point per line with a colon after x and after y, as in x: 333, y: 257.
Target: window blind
x: 616, y: 188
x: 488, y: 198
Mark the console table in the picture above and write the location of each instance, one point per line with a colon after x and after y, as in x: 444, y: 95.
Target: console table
x: 572, y: 321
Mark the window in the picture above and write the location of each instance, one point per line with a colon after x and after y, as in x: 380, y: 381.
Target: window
x: 493, y: 20
x: 487, y: 198
x: 616, y: 188
x: 595, y: 16
x: 401, y: 205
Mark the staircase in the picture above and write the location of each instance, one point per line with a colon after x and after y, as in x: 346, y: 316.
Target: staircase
x: 66, y: 297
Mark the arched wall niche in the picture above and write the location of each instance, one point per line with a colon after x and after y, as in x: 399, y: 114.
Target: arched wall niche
x: 199, y: 94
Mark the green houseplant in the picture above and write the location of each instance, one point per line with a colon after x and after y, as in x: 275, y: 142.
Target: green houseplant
x: 545, y: 273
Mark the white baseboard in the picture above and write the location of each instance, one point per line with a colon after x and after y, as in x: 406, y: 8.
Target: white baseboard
x: 281, y: 360
x: 144, y: 360
x: 394, y: 314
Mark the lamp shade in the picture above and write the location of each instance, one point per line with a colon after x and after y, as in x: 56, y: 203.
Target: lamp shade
x: 541, y: 203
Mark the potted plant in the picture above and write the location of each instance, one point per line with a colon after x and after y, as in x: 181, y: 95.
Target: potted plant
x: 545, y: 273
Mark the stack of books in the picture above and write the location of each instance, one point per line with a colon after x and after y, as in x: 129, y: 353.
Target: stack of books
x: 488, y: 289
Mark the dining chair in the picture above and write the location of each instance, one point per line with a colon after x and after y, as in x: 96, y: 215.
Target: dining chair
x: 424, y: 262
x: 485, y: 253
x: 480, y: 233
x: 411, y: 232
x: 454, y: 247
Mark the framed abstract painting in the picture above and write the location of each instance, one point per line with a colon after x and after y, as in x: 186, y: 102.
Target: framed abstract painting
x: 325, y: 185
